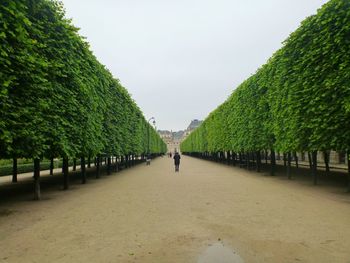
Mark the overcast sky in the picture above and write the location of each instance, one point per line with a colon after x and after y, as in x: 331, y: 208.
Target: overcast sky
x: 180, y: 59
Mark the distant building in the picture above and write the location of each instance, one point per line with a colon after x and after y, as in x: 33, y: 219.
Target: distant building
x: 173, y: 139
x: 193, y: 125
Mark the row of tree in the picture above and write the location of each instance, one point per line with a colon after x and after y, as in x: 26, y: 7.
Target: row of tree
x: 299, y: 101
x: 56, y: 99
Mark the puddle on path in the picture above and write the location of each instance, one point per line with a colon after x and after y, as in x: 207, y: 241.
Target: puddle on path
x: 218, y: 253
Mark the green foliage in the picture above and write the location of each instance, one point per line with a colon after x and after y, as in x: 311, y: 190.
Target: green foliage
x: 298, y: 101
x: 56, y: 99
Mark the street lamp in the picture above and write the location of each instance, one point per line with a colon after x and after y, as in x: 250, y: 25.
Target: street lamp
x: 154, y: 123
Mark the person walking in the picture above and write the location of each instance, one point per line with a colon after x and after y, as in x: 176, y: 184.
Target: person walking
x: 148, y: 159
x: 177, y: 158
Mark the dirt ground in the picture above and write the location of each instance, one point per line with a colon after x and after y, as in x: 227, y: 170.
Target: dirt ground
x: 152, y: 214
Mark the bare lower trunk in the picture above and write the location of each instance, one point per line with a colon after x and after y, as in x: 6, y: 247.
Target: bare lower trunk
x: 37, y: 179
x: 348, y: 156
x: 51, y: 166
x: 97, y: 167
x: 310, y: 159
x: 116, y: 164
x: 289, y: 161
x: 314, y: 167
x: 83, y: 170
x: 65, y: 174
x: 326, y: 161
x: 109, y: 165
x: 14, y: 171
x: 247, y: 160
x: 273, y: 162
x: 74, y: 164
x: 89, y: 161
x: 258, y: 161
x: 296, y: 160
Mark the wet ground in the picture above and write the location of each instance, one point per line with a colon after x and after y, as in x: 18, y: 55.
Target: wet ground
x: 218, y: 252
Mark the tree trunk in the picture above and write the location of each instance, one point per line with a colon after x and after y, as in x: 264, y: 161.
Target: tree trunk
x: 247, y: 160
x: 83, y: 170
x: 348, y: 156
x: 273, y: 162
x: 14, y: 170
x: 314, y: 166
x: 289, y: 161
x: 240, y: 160
x: 97, y: 167
x: 310, y: 159
x: 326, y: 161
x: 253, y: 160
x: 258, y: 161
x: 116, y: 164
x: 65, y: 173
x: 284, y: 159
x: 37, y: 179
x: 89, y: 161
x: 296, y: 160
x: 74, y: 164
x: 51, y: 166
x: 109, y: 165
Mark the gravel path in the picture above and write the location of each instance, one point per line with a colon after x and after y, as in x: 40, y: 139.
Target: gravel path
x: 152, y: 214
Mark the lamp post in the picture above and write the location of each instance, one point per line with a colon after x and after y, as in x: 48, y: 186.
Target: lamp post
x: 154, y: 123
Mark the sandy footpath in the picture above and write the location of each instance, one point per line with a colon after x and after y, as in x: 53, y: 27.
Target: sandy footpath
x: 151, y: 214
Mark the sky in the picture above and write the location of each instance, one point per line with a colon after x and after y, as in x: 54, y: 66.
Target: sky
x: 181, y: 59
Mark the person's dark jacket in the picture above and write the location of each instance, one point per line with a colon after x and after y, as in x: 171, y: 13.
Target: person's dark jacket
x: 177, y: 158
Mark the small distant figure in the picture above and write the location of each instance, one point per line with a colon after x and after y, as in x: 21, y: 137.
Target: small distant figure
x: 148, y: 159
x: 177, y: 158
x: 170, y: 154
